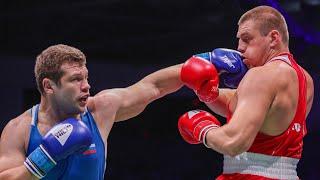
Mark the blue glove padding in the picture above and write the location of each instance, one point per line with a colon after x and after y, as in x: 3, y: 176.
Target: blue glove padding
x: 66, y: 138
x: 229, y: 64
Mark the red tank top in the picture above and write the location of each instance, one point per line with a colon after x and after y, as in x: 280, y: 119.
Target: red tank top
x: 273, y: 157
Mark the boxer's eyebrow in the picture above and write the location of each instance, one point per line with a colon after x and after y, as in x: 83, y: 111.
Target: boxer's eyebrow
x: 244, y: 34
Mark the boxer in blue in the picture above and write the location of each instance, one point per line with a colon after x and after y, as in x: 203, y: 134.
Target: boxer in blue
x: 65, y: 135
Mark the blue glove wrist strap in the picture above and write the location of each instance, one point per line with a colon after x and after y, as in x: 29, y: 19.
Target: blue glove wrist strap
x: 206, y: 56
x: 39, y: 162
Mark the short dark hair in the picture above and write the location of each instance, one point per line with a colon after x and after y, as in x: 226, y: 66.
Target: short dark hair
x: 48, y: 63
x: 269, y: 19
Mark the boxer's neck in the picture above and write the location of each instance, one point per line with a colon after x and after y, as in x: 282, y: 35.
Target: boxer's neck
x: 53, y: 114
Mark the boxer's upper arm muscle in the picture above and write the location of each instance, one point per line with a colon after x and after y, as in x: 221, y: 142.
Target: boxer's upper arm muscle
x: 132, y: 100
x: 255, y: 95
x: 135, y: 98
x: 122, y: 103
x: 12, y: 152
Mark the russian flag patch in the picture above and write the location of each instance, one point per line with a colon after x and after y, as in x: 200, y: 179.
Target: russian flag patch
x: 90, y: 150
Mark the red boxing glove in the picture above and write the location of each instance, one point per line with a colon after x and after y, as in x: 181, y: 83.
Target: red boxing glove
x: 194, y: 125
x: 201, y: 76
x: 208, y: 92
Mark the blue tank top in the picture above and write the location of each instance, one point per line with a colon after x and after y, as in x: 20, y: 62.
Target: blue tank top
x: 89, y: 165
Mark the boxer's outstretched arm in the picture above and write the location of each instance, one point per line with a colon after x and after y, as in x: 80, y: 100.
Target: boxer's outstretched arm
x: 12, y: 153
x: 132, y: 100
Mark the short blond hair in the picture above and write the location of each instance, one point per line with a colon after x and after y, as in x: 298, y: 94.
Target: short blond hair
x: 269, y: 19
x: 48, y: 63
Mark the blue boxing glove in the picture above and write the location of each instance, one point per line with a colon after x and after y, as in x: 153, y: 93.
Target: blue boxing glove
x: 229, y: 64
x: 68, y: 137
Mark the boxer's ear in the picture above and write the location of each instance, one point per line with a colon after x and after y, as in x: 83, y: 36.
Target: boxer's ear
x: 48, y: 86
x: 275, y: 38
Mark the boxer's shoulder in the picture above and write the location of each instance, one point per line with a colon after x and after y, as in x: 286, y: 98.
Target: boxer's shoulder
x: 106, y: 103
x: 265, y: 83
x: 257, y: 76
x: 16, y: 132
x: 276, y: 73
x: 20, y: 122
x: 110, y: 98
x: 103, y: 107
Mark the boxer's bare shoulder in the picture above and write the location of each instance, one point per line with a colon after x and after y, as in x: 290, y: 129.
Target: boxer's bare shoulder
x: 17, y: 130
x: 13, y: 145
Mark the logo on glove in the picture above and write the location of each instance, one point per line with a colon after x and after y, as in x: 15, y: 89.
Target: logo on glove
x: 192, y: 113
x: 227, y: 61
x: 62, y: 132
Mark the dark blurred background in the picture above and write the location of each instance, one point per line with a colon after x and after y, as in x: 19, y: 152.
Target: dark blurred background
x: 126, y: 40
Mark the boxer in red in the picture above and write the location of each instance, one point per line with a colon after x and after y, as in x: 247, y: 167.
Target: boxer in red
x: 266, y: 114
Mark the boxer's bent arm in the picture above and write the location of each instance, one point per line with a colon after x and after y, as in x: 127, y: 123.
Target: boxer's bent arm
x: 12, y: 153
x: 220, y: 105
x: 133, y: 99
x: 255, y: 96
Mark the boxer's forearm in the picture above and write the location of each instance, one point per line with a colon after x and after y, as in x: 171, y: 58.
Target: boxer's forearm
x: 220, y: 105
x: 17, y: 173
x: 164, y: 81
x: 227, y: 143
x: 135, y: 98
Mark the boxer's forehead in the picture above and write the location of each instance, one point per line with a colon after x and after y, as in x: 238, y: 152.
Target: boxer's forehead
x: 74, y: 68
x: 247, y: 28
